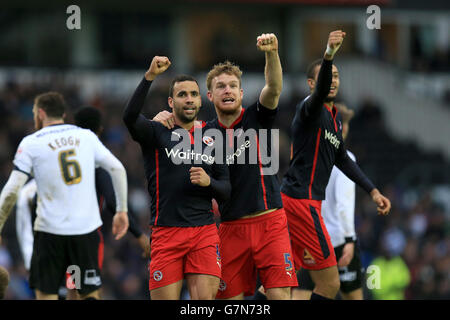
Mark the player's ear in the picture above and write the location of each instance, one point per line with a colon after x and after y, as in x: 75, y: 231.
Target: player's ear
x: 41, y: 114
x: 311, y: 83
x: 242, y: 93
x: 209, y: 95
x: 170, y: 102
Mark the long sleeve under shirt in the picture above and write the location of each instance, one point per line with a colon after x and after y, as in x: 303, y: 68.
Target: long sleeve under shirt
x: 317, y: 145
x: 175, y: 201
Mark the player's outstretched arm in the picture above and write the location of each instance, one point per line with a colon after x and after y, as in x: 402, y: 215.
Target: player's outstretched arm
x: 8, y: 196
x: 135, y: 122
x: 270, y: 94
x: 313, y: 105
x: 335, y: 40
x: 157, y: 66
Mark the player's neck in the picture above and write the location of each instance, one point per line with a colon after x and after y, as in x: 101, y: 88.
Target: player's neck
x: 188, y: 126
x: 228, y: 119
x: 329, y: 104
x: 50, y: 122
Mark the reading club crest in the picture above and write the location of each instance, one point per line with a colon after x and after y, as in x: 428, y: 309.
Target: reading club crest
x: 208, y: 141
x: 157, y: 275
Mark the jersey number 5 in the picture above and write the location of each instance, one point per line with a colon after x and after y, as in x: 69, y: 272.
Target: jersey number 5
x: 70, y: 168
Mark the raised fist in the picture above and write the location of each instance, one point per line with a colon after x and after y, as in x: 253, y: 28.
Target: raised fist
x: 267, y: 42
x: 335, y: 40
x: 158, y: 66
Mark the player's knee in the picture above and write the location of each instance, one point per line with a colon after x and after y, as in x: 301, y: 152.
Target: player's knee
x: 4, y: 281
x: 95, y: 295
x: 278, y: 293
x: 330, y: 287
x: 336, y: 283
x: 207, y: 295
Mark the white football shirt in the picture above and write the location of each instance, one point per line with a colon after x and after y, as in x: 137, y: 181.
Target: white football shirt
x: 62, y: 159
x: 338, y: 208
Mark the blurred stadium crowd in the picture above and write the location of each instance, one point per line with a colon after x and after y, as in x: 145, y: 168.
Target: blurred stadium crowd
x: 416, y: 234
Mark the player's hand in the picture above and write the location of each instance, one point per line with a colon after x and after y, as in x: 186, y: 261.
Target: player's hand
x: 158, y: 66
x: 267, y: 42
x: 347, y: 254
x: 199, y: 177
x: 120, y: 224
x: 166, y: 118
x: 144, y: 243
x: 383, y: 203
x: 335, y: 40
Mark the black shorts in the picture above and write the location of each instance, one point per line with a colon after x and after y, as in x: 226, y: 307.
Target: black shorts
x: 351, y: 276
x: 55, y: 257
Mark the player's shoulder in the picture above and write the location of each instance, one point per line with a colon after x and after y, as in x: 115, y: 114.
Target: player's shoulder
x: 300, y: 107
x: 85, y: 133
x: 157, y: 126
x: 302, y: 102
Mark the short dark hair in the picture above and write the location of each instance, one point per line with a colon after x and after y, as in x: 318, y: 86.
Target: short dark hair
x: 52, y: 103
x: 89, y: 118
x: 180, y: 78
x: 311, y: 71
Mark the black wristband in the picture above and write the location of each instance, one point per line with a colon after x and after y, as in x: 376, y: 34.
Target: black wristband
x: 349, y: 240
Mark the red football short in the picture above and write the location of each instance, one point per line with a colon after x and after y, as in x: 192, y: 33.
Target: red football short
x: 260, y: 244
x: 180, y: 250
x: 311, y: 243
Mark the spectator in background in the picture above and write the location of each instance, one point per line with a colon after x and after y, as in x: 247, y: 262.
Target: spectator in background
x: 394, y: 273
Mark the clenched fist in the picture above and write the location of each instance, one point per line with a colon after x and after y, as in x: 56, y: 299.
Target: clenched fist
x: 199, y: 177
x: 335, y: 40
x: 158, y: 66
x: 267, y: 42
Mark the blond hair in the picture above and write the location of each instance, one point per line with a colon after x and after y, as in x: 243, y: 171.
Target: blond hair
x: 223, y: 67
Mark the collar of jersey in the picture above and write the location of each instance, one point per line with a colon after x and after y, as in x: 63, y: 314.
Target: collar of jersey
x: 195, y: 126
x: 235, y: 121
x: 333, y: 112
x: 56, y: 124
x: 333, y: 109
